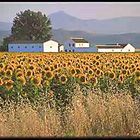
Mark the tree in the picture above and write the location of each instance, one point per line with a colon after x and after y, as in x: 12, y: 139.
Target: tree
x: 6, y: 40
x: 30, y: 25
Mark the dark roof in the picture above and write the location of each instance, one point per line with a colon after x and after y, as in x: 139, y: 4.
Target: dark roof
x: 27, y: 42
x: 111, y: 46
x: 79, y: 40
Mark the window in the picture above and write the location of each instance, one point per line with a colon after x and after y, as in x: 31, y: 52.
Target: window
x: 65, y: 50
x: 18, y: 46
x: 73, y: 44
x: 39, y: 46
x: 50, y: 46
x: 12, y: 47
x: 69, y: 50
x: 69, y: 44
x: 73, y: 50
x: 25, y: 46
x: 129, y: 50
x: 32, y: 46
x: 112, y: 50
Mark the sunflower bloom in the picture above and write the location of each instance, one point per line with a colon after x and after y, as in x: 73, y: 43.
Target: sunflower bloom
x: 9, y: 84
x: 21, y: 80
x: 63, y: 79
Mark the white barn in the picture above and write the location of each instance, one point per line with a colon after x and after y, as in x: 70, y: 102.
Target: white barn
x: 30, y: 46
x: 115, y: 48
x: 78, y: 45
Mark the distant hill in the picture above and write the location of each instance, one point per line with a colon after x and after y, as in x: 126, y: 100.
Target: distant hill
x: 62, y: 35
x: 4, y: 34
x: 133, y: 38
x: 118, y: 25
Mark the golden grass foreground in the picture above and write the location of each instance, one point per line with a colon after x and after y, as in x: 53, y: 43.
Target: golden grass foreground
x: 69, y: 94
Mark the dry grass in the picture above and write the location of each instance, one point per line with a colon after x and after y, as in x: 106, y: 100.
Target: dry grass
x: 92, y: 115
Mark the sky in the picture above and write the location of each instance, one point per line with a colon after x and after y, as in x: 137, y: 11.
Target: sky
x: 83, y: 10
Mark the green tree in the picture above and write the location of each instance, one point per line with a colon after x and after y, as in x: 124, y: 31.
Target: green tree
x: 6, y: 40
x: 30, y: 25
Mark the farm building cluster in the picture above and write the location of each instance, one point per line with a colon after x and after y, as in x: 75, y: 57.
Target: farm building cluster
x: 71, y: 45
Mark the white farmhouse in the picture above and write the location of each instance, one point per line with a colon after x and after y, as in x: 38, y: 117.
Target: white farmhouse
x: 115, y: 48
x: 78, y: 45
x: 137, y: 50
x: 30, y: 46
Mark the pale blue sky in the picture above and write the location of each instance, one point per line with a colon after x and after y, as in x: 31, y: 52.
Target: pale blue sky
x: 83, y: 10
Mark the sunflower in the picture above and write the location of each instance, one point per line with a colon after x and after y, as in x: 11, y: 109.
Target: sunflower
x: 124, y: 72
x: 49, y: 75
x: 1, y: 65
x: 82, y: 78
x: 121, y: 78
x: 137, y: 73
x: 31, y: 67
x: 137, y: 81
x: 21, y: 80
x: 72, y: 71
x: 112, y: 75
x: 56, y: 75
x: 63, y: 79
x: 29, y: 73
x: 36, y: 81
x: 90, y: 72
x: 97, y: 63
x: 93, y: 80
x: 1, y: 82
x: 2, y: 73
x: 24, y: 94
x: 8, y: 73
x: 9, y: 84
x: 19, y: 74
x: 98, y: 72
x: 78, y: 71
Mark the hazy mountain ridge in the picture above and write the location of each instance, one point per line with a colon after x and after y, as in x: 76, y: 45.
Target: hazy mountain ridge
x: 117, y: 25
x: 61, y: 35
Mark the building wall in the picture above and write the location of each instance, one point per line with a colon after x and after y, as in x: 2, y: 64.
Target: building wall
x: 81, y: 44
x: 50, y: 46
x: 71, y: 43
x: 25, y: 47
x: 109, y: 50
x: 137, y: 50
x: 80, y: 49
x: 128, y: 48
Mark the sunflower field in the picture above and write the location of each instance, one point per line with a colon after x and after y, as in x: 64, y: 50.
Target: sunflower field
x: 52, y: 78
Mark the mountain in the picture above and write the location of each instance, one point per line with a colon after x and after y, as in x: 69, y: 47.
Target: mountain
x: 62, y: 35
x: 118, y: 25
x: 4, y: 34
